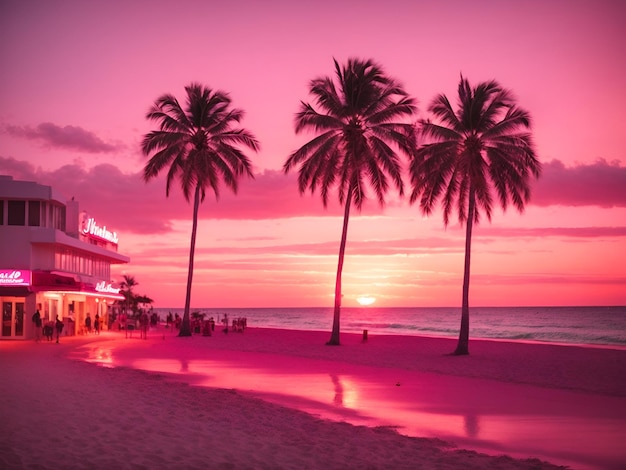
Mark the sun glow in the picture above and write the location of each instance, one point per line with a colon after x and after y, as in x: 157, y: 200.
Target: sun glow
x: 366, y: 300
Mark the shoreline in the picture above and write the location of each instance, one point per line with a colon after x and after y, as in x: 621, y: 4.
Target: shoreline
x: 278, y: 363
x: 552, y: 325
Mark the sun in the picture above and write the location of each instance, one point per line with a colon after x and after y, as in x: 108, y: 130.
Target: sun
x: 366, y: 300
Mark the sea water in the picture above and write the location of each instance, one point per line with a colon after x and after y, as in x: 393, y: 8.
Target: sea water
x: 569, y: 325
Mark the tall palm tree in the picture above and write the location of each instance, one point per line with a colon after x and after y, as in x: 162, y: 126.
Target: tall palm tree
x: 358, y: 135
x: 483, y: 147
x: 200, y: 145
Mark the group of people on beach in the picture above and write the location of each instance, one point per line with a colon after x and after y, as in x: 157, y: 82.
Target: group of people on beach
x: 206, y: 327
x: 142, y: 323
x: 46, y: 329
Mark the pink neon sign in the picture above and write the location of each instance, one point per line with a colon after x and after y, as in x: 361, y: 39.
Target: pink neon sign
x: 107, y: 288
x: 14, y: 277
x: 91, y: 228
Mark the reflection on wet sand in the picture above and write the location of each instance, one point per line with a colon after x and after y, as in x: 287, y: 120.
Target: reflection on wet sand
x: 338, y: 400
x: 421, y: 404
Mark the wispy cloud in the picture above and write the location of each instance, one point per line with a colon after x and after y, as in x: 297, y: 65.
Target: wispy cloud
x: 62, y: 137
x: 599, y: 184
x: 561, y: 232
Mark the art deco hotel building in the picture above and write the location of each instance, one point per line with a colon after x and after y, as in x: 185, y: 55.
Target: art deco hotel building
x: 53, y: 257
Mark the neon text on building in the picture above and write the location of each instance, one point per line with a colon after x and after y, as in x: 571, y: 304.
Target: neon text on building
x: 107, y: 288
x: 14, y: 277
x: 91, y: 228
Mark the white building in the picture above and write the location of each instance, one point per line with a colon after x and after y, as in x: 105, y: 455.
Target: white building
x: 52, y: 257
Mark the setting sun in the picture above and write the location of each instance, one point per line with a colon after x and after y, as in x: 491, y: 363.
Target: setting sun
x: 366, y: 300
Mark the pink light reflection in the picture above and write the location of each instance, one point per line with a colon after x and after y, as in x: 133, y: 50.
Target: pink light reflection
x: 488, y: 416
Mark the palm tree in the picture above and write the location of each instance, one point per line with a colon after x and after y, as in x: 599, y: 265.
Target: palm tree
x: 127, y: 291
x: 200, y: 146
x: 357, y: 131
x: 483, y: 147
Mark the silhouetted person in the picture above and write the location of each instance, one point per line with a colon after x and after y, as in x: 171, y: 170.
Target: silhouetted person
x: 144, y: 321
x: 96, y: 324
x: 37, y: 323
x: 88, y: 323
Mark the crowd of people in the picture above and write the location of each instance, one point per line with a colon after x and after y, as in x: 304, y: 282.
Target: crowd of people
x: 207, y: 327
x: 142, y: 322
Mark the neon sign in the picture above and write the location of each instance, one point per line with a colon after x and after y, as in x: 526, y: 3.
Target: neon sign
x: 13, y: 277
x: 107, y: 288
x: 90, y: 227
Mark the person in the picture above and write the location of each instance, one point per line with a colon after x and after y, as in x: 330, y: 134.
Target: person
x: 96, y: 324
x: 48, y: 330
x: 144, y: 321
x: 59, y: 327
x: 169, y: 320
x: 37, y: 323
x: 88, y: 323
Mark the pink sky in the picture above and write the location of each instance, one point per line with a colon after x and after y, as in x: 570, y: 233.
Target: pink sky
x: 78, y: 77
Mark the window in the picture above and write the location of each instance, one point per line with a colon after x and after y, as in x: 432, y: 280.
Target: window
x: 56, y: 216
x: 34, y: 213
x: 66, y: 259
x: 17, y: 213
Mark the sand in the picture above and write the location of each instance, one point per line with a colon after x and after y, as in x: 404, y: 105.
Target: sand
x: 236, y: 401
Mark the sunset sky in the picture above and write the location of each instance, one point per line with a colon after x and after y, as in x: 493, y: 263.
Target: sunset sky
x: 77, y: 79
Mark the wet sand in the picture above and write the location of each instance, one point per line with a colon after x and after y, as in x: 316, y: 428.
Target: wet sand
x: 257, y: 396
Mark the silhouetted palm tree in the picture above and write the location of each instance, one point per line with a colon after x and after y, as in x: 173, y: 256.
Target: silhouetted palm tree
x: 200, y: 146
x: 483, y: 147
x: 358, y: 134
x: 127, y: 291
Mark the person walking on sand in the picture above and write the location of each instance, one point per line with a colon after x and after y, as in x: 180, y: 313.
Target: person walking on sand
x: 37, y: 323
x: 144, y: 322
x: 88, y: 323
x: 58, y: 326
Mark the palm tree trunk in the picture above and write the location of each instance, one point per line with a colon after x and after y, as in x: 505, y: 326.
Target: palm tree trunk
x: 185, y: 327
x: 334, y: 336
x: 462, y: 347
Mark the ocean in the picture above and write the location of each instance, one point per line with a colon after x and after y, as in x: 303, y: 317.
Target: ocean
x: 569, y: 325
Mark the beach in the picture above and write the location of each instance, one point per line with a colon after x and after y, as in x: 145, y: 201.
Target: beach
x: 271, y: 398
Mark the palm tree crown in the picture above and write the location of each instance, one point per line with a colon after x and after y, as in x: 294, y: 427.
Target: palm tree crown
x: 358, y: 119
x: 355, y: 123
x: 484, y: 146
x: 481, y: 147
x: 200, y: 144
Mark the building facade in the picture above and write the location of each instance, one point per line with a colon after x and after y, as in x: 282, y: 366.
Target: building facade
x: 53, y: 258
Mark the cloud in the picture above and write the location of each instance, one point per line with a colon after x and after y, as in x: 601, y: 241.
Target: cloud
x: 599, y: 184
x: 125, y: 202
x: 67, y: 137
x: 561, y: 232
x: 567, y: 279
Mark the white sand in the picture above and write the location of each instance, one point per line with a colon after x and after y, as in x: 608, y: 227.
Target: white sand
x: 56, y: 412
